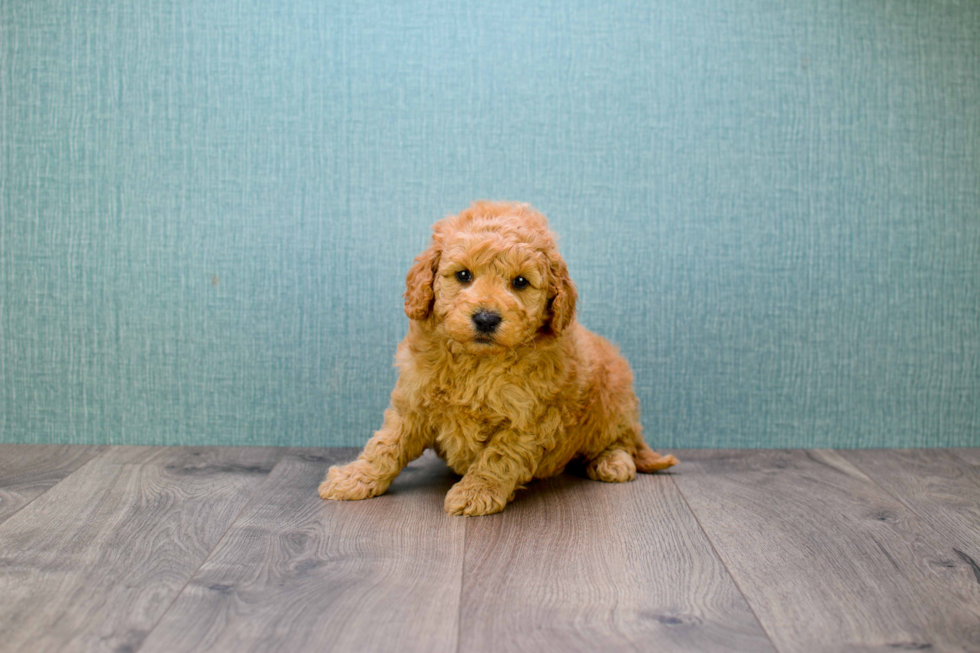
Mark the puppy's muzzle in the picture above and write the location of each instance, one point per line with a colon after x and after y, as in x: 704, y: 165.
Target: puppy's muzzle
x: 486, y: 321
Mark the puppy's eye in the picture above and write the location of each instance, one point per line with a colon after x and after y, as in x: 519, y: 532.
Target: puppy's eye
x: 520, y: 282
x: 464, y: 276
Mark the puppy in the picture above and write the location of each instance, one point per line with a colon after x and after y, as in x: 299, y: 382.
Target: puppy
x: 496, y: 375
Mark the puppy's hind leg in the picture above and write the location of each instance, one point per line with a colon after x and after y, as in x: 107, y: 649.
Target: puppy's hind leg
x: 614, y: 465
x: 624, y: 458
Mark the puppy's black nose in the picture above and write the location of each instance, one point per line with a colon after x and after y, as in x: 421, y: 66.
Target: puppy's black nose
x: 486, y: 321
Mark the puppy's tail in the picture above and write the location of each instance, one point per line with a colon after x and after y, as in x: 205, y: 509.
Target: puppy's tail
x: 648, y: 461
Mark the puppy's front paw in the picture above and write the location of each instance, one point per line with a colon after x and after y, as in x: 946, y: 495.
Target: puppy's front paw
x: 357, y: 480
x: 474, y: 497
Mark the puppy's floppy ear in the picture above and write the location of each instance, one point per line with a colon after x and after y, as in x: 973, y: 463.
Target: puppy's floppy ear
x: 419, y: 293
x: 561, y: 297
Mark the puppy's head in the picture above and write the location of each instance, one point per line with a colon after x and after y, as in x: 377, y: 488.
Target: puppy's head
x: 492, y: 279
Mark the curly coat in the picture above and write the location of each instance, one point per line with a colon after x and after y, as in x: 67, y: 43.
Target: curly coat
x: 506, y: 406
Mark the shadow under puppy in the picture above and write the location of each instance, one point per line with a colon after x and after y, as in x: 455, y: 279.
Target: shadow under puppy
x: 496, y: 375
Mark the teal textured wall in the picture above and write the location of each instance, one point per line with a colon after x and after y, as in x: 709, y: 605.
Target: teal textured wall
x: 207, y: 208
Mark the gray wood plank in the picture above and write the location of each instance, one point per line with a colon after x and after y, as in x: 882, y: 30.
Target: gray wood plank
x: 939, y: 486
x: 827, y: 559
x: 92, y: 564
x: 970, y: 455
x: 29, y: 470
x: 296, y: 573
x: 578, y: 565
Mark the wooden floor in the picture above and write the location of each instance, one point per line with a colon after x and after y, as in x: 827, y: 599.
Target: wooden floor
x: 215, y: 549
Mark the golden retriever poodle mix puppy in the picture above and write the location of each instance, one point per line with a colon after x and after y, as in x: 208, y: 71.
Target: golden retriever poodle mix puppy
x: 496, y: 375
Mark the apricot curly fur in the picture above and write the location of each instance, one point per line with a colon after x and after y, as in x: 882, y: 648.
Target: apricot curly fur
x: 507, y: 407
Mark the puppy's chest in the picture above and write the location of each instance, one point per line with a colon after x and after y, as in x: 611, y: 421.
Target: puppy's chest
x: 472, y: 414
x: 461, y: 434
x: 465, y: 414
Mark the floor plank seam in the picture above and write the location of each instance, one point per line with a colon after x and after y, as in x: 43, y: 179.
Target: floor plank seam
x: 724, y: 564
x: 105, y: 449
x: 285, y: 450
